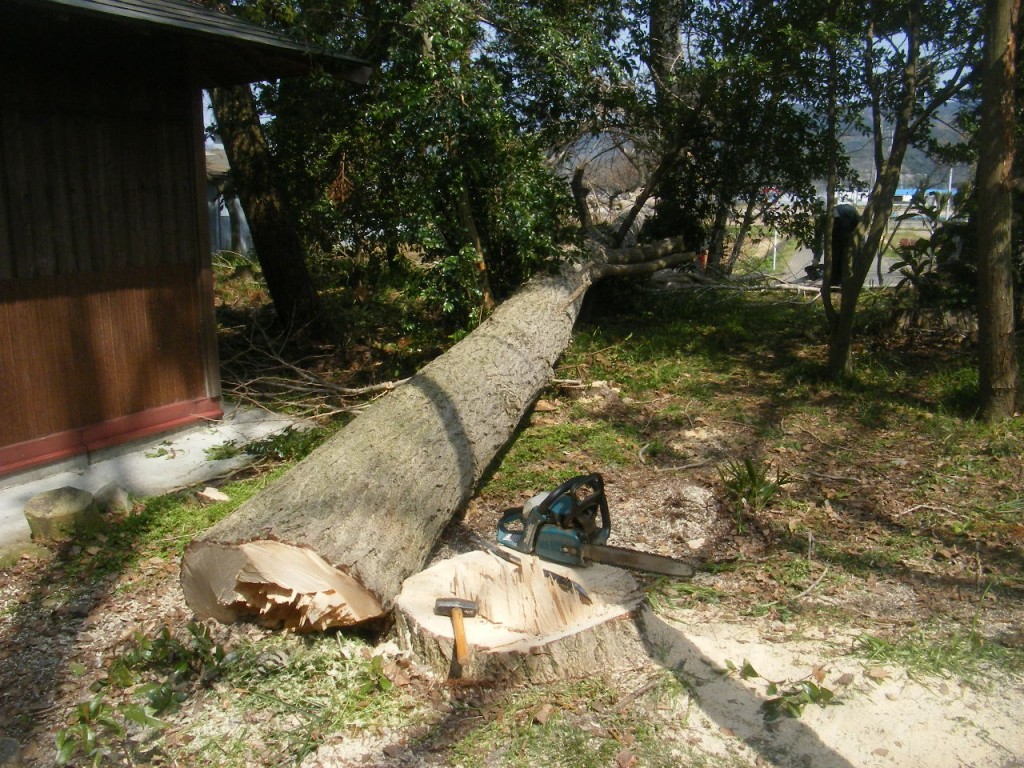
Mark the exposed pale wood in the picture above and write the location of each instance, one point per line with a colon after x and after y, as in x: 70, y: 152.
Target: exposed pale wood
x: 278, y: 584
x: 527, y: 626
x: 644, y: 268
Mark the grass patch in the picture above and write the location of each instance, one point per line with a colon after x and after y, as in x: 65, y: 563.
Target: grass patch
x: 158, y: 527
x: 271, y: 702
x: 546, y: 455
x: 963, y: 653
x: 578, y: 724
x: 664, y: 593
x: 162, y: 526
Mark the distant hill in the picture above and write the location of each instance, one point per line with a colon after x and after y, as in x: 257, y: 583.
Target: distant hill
x: 918, y: 167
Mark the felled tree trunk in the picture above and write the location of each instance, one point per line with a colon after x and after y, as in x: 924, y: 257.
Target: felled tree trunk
x: 331, y: 541
x: 534, y: 621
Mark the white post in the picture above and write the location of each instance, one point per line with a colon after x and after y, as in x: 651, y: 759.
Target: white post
x: 947, y: 209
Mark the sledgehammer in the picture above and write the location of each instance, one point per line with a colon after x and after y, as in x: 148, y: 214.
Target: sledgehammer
x: 457, y: 608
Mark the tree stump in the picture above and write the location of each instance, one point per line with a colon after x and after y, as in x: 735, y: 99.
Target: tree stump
x: 56, y: 514
x: 536, y: 621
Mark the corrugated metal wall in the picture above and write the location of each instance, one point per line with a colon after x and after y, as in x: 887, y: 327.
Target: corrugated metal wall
x: 104, y: 300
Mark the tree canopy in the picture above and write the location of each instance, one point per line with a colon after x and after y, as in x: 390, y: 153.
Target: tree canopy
x: 458, y: 155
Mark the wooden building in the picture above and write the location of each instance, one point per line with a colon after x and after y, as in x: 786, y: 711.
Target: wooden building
x: 107, y: 329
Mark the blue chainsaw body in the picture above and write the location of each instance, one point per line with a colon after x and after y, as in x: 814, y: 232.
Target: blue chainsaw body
x: 557, y: 525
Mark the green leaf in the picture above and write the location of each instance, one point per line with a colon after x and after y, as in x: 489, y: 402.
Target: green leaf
x: 138, y: 715
x: 65, y: 747
x: 748, y: 671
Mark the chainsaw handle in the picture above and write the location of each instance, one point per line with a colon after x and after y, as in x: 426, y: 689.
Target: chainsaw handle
x: 569, y: 488
x: 512, y: 538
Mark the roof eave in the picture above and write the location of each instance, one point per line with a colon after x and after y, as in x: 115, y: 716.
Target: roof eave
x: 258, y: 53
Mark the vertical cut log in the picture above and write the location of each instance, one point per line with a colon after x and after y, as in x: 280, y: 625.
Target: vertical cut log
x: 530, y: 625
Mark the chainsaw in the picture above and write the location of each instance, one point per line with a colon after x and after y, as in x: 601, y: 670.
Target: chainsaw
x: 571, y: 525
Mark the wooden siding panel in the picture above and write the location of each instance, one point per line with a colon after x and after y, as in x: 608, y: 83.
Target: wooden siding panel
x: 72, y: 357
x: 104, y: 317
x: 83, y: 227
x: 56, y: 197
x: 38, y: 360
x: 16, y: 182
x: 6, y: 189
x: 177, y: 187
x: 94, y: 182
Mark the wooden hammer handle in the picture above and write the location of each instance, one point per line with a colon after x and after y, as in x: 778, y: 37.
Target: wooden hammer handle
x: 459, y: 630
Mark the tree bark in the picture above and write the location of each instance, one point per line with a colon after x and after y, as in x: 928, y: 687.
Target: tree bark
x: 274, y: 234
x: 746, y: 223
x: 361, y: 513
x: 580, y: 197
x: 716, y: 248
x: 483, y: 280
x: 650, y: 189
x: 997, y: 358
x: 666, y: 52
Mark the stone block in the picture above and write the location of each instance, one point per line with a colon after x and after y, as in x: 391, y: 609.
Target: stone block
x: 55, y: 514
x: 113, y: 498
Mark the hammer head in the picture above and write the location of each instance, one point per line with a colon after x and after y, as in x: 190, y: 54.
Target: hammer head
x: 444, y: 606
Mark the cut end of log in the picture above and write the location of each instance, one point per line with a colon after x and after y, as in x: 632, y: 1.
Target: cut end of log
x: 275, y: 584
x: 535, y: 621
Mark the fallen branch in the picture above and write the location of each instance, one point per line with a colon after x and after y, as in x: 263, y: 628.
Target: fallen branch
x: 930, y: 507
x: 258, y: 373
x: 837, y: 478
x: 643, y: 268
x: 684, y: 467
x: 813, y: 586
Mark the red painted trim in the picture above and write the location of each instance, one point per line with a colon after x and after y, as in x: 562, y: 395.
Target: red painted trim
x: 74, y: 442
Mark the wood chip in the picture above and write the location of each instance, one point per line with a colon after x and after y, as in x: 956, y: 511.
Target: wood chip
x: 543, y: 713
x: 212, y: 495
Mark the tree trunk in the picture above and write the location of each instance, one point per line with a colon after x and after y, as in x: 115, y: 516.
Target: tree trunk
x: 581, y: 198
x: 871, y: 230
x: 483, y: 281
x: 274, y: 234
x: 997, y: 361
x: 665, y: 53
x: 331, y: 541
x: 716, y: 248
x: 235, y: 220
x: 650, y: 189
x: 857, y: 264
x: 741, y: 235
